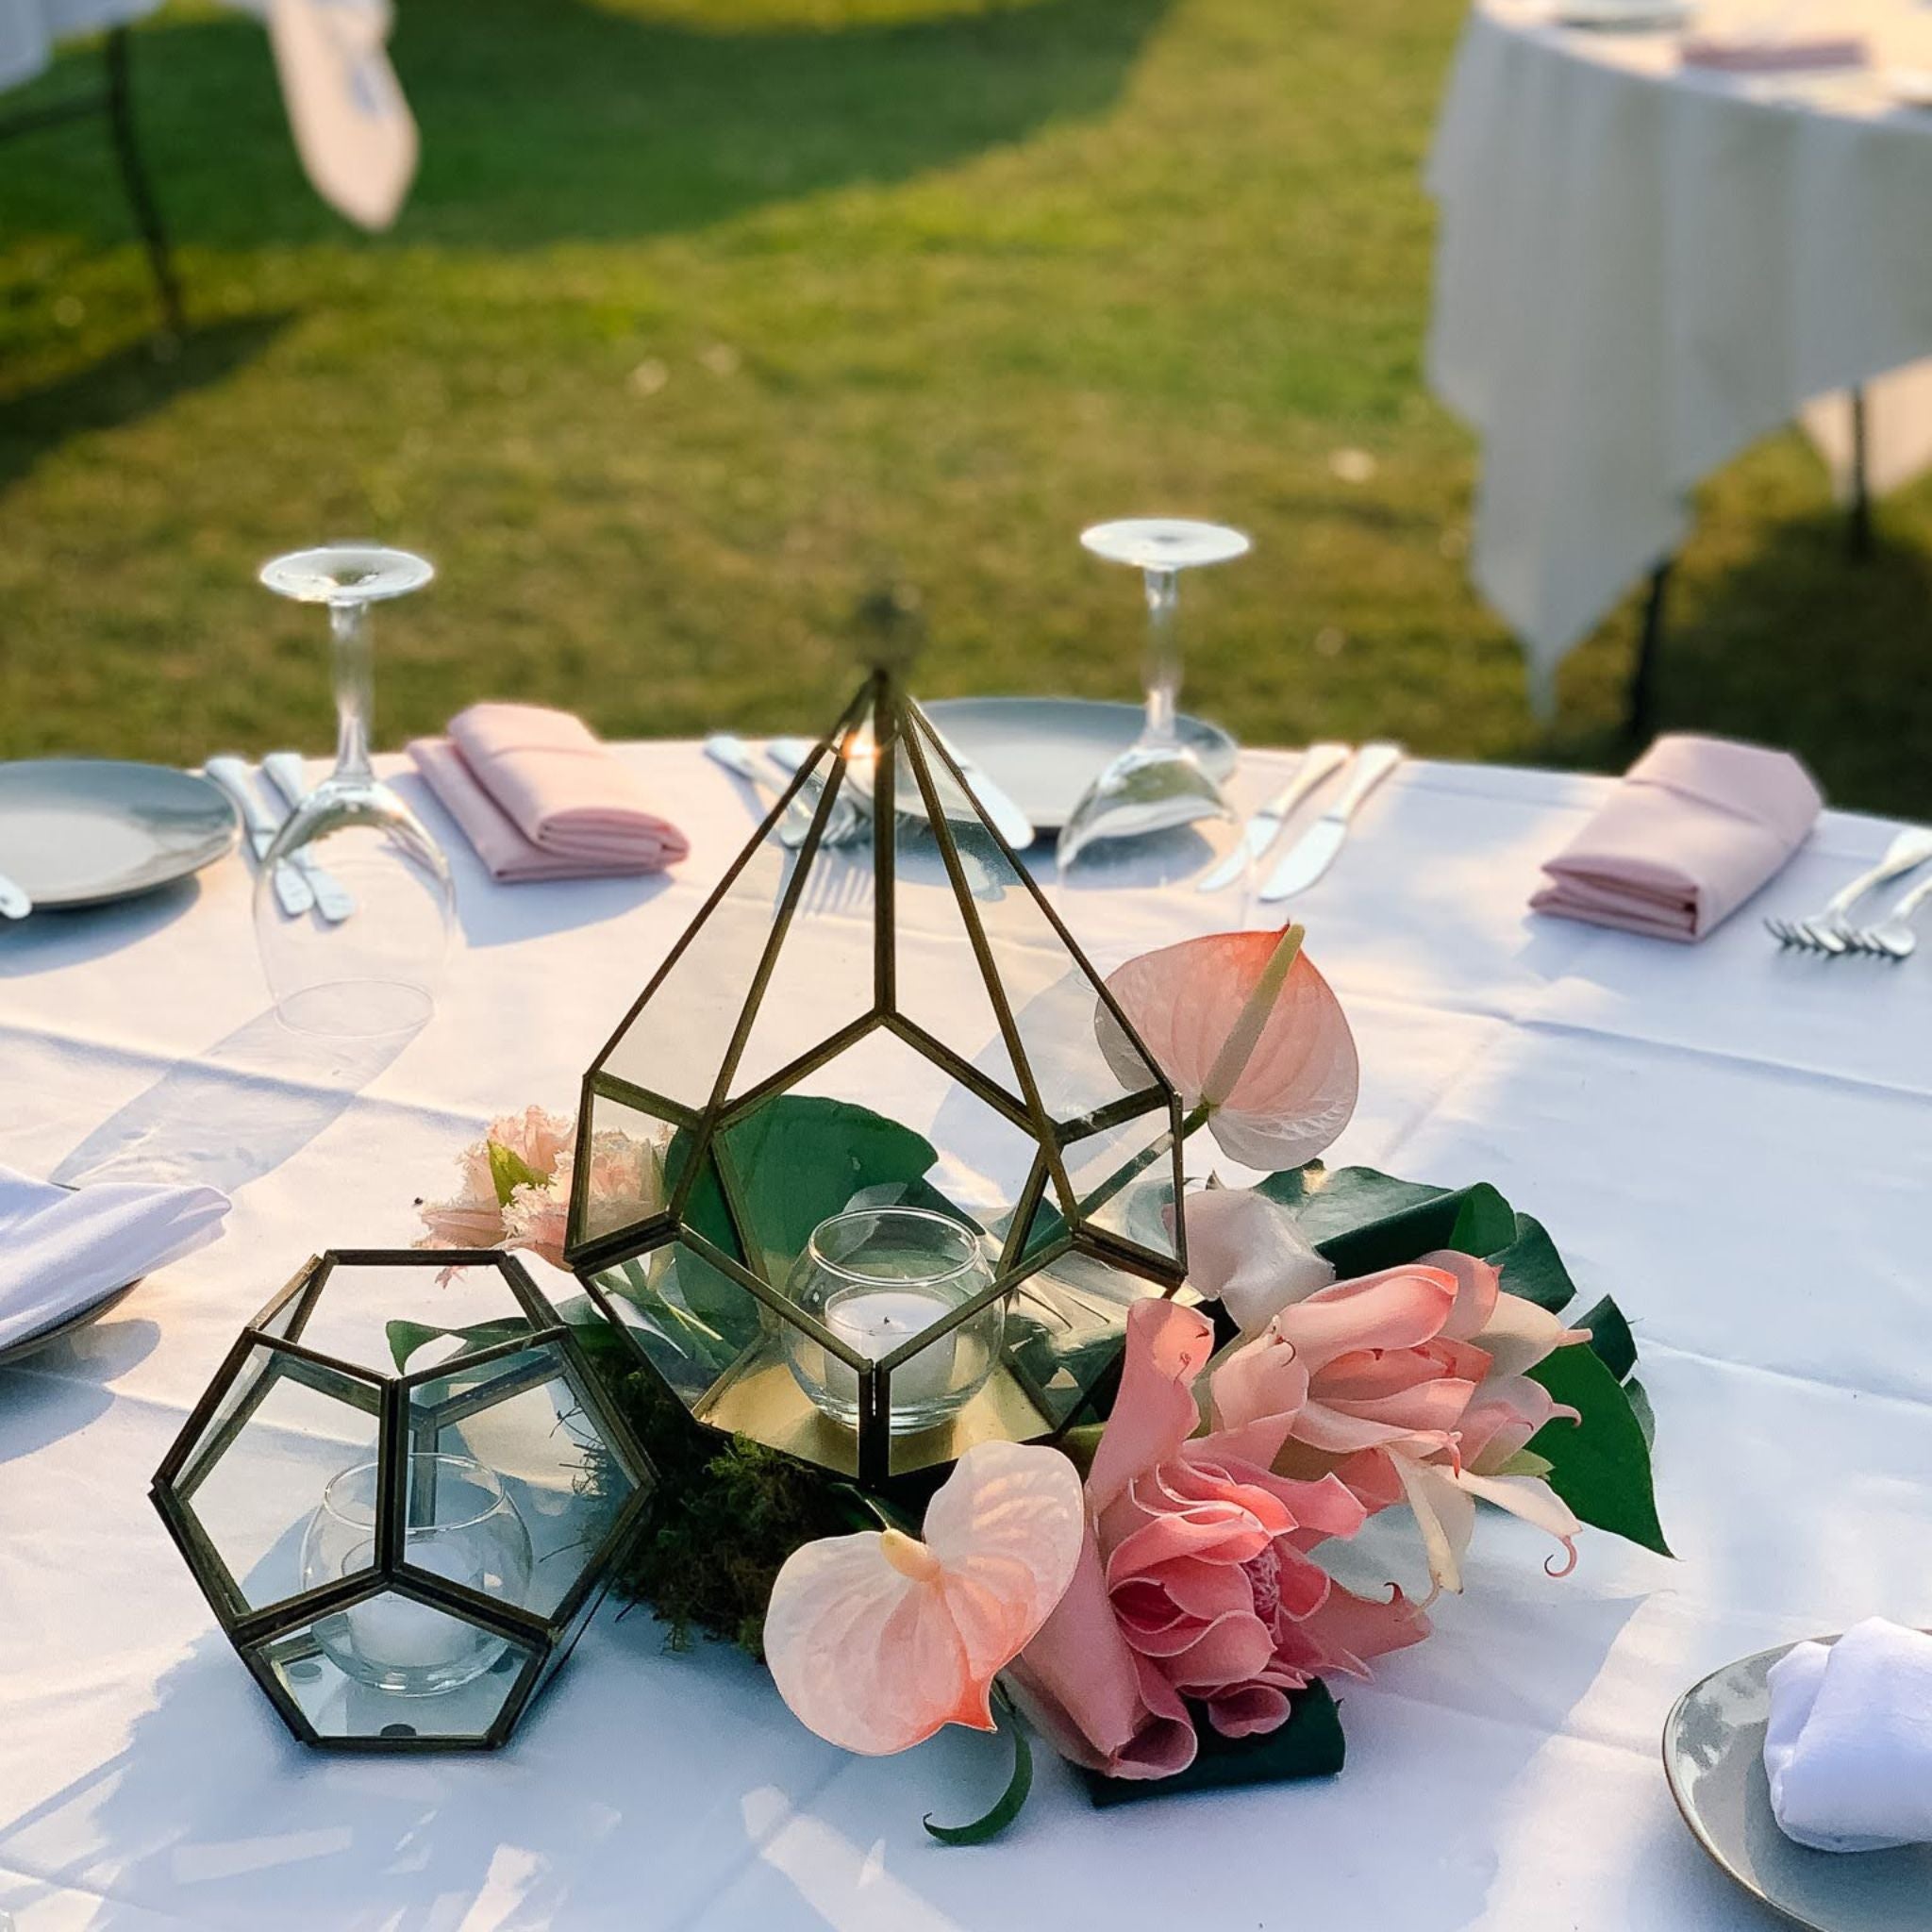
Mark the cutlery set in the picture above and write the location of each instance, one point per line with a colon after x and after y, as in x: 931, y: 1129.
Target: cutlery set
x: 1831, y: 929
x: 1317, y: 849
x: 1304, y: 863
x: 851, y: 816
x: 301, y: 884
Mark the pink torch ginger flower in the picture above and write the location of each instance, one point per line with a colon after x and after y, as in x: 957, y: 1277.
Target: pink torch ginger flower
x: 1410, y: 1385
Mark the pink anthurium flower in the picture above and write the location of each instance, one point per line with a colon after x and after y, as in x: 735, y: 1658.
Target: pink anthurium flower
x: 1251, y: 1034
x: 877, y: 1640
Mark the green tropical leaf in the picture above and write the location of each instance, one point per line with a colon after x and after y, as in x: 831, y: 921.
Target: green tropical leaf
x: 1610, y: 1336
x: 1364, y: 1222
x: 406, y: 1338
x: 1532, y: 1268
x: 1310, y: 1744
x: 1600, y: 1466
x: 794, y: 1161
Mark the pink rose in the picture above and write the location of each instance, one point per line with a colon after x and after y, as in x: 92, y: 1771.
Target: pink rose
x: 1195, y: 1584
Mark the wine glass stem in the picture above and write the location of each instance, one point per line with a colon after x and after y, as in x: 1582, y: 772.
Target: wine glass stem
x: 354, y: 689
x: 1163, y: 676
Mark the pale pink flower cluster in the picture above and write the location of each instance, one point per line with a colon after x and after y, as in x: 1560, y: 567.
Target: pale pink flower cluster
x: 626, y: 1183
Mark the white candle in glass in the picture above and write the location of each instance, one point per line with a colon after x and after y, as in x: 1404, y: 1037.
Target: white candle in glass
x: 396, y: 1633
x: 876, y: 1321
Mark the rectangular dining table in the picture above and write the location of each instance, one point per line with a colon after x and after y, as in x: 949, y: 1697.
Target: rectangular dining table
x: 1735, y: 1140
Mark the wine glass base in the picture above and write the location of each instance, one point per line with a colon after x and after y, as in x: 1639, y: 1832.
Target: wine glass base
x: 1147, y: 790
x: 356, y: 1009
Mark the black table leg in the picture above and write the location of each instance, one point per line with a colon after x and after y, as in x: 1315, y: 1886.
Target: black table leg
x: 1640, y: 718
x: 1859, y: 535
x: 147, y: 216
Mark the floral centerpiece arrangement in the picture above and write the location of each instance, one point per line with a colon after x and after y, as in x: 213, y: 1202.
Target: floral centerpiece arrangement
x: 1158, y: 1592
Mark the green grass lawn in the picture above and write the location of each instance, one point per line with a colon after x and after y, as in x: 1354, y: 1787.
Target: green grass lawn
x: 707, y: 314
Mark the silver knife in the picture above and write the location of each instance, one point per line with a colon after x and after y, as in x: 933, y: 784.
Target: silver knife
x: 1009, y: 821
x: 258, y: 827
x: 333, y: 899
x: 1317, y: 764
x: 728, y: 749
x: 1313, y: 853
x: 14, y: 903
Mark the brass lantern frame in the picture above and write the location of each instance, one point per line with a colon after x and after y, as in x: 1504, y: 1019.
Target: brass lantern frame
x: 1051, y: 1221
x: 275, y: 1634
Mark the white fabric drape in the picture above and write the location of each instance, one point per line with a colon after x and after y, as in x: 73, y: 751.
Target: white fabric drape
x: 1643, y: 269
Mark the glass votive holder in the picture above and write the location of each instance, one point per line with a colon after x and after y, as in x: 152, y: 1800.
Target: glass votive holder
x: 463, y: 1528
x: 876, y: 1278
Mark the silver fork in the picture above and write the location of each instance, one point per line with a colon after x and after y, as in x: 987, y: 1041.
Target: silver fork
x: 1892, y: 938
x: 1823, y: 932
x: 725, y: 748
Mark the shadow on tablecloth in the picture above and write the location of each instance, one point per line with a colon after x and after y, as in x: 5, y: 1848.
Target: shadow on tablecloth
x: 234, y: 1112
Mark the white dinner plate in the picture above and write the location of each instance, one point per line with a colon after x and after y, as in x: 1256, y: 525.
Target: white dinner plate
x: 1714, y: 1758
x: 1042, y: 752
x: 83, y: 831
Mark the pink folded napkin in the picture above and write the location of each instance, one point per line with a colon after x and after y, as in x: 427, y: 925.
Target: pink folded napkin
x: 1696, y: 826
x: 540, y: 797
x: 1819, y: 52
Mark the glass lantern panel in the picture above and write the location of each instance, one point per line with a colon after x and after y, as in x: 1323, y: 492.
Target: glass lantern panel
x: 674, y: 1043
x: 623, y: 1184
x: 258, y: 1479
x: 1078, y: 1055
x: 825, y: 977
x: 1066, y: 1329
x: 1123, y: 1180
x: 513, y: 1489
x: 688, y: 1319
x: 939, y: 985
x: 878, y: 1124
x: 390, y: 1315
x: 339, y: 1672
x: 969, y: 1368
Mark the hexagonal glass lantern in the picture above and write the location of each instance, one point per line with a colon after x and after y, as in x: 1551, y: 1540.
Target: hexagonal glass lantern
x: 401, y: 1495
x: 875, y: 1166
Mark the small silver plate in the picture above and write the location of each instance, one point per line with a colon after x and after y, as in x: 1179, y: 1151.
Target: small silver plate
x: 1714, y: 1758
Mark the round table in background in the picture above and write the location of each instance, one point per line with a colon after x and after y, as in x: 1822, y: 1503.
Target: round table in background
x: 1643, y: 267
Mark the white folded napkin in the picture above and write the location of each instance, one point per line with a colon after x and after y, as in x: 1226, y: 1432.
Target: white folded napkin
x: 1849, y: 1747
x: 61, y: 1250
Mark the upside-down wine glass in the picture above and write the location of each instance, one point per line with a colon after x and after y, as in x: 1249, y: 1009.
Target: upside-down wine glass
x: 1158, y: 784
x: 376, y: 971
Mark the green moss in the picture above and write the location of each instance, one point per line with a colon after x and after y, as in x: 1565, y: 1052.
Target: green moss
x: 726, y: 1515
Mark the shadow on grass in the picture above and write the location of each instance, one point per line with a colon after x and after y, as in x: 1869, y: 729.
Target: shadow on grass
x: 1802, y: 645
x: 548, y: 120
x: 129, y: 385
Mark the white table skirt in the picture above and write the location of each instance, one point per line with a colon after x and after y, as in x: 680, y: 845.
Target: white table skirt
x: 1733, y: 1140
x: 1643, y: 269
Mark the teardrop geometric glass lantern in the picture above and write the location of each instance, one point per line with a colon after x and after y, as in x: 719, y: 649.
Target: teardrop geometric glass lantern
x: 402, y: 1495
x: 875, y: 1166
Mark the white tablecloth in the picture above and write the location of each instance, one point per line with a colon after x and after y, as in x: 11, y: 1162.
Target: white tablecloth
x: 1733, y: 1140
x: 1642, y: 268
